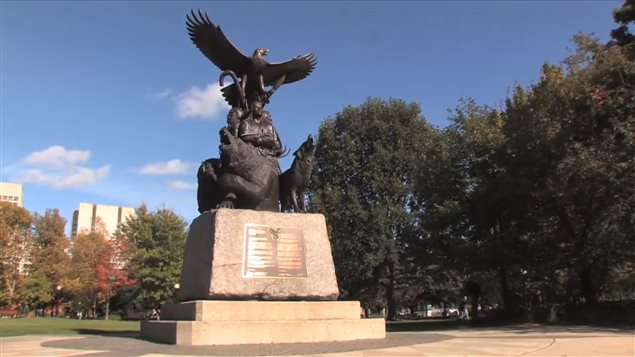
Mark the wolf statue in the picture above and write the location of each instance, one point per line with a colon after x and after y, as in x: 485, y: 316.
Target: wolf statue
x: 295, y: 180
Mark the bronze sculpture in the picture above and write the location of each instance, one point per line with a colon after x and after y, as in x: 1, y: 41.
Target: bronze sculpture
x: 295, y: 180
x: 247, y: 174
x: 251, y: 74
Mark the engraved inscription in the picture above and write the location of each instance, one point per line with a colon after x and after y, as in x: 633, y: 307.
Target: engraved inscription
x: 273, y: 252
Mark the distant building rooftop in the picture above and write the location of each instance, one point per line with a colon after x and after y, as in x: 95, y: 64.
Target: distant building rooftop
x: 12, y: 192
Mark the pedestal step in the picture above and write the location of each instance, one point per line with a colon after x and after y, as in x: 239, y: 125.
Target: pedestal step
x: 218, y: 310
x: 193, y: 333
x: 206, y: 322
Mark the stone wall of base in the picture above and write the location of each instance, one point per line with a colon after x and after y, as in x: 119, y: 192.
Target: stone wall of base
x: 219, y: 259
x: 252, y: 322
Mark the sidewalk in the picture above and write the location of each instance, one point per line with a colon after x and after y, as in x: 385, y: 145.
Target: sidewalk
x: 509, y: 341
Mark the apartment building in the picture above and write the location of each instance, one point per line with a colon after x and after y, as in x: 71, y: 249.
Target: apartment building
x: 90, y: 215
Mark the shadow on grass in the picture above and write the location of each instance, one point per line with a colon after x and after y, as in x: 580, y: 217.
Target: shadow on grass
x: 126, y: 333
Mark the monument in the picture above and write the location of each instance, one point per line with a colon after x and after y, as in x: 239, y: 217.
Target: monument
x: 257, y: 267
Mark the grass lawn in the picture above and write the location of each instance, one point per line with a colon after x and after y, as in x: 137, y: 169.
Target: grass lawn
x: 62, y: 326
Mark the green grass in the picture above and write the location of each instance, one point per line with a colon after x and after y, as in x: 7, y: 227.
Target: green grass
x: 62, y: 326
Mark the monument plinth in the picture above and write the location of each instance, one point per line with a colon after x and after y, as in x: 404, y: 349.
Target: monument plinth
x: 240, y: 248
x: 235, y: 256
x: 211, y: 322
x: 248, y: 254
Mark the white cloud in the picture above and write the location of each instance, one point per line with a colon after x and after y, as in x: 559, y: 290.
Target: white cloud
x: 35, y: 176
x: 57, y: 156
x: 172, y: 167
x: 200, y: 103
x: 82, y: 176
x: 164, y: 94
x: 74, y: 176
x: 182, y: 185
x: 58, y: 168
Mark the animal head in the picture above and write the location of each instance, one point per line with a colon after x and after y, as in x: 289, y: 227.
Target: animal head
x: 260, y: 52
x: 306, y: 150
x: 231, y: 149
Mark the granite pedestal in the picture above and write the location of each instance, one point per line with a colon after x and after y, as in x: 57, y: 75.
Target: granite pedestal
x: 282, y: 261
x: 251, y: 322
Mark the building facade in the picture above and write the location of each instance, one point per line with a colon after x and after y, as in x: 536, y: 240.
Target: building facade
x: 90, y: 216
x: 12, y: 193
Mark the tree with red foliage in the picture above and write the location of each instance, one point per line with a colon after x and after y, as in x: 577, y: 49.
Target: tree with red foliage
x: 99, y: 269
x: 111, y: 269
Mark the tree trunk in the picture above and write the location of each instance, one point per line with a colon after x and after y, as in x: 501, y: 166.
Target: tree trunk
x: 107, y: 307
x: 474, y: 302
x: 587, y: 288
x: 502, y: 276
x: 11, y: 290
x: 391, y: 305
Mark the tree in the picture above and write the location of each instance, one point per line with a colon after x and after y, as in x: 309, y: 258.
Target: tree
x: 621, y: 35
x: 495, y: 200
x: 157, y: 242
x: 36, y: 290
x: 440, y: 255
x: 366, y: 157
x: 15, y: 245
x: 50, y: 253
x: 573, y: 134
x: 98, y: 270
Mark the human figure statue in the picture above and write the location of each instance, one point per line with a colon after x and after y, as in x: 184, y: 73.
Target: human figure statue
x: 234, y: 118
x: 247, y: 174
x: 257, y: 129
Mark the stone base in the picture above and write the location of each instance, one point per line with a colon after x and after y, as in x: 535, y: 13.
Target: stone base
x: 251, y: 322
x: 235, y: 254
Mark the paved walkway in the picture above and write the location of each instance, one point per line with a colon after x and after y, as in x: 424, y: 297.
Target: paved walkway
x: 509, y: 341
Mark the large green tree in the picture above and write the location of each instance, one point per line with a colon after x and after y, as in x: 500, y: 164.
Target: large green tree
x: 36, y: 291
x: 50, y: 254
x: 15, y: 246
x: 157, y: 243
x: 366, y: 158
x: 624, y: 17
x: 573, y: 135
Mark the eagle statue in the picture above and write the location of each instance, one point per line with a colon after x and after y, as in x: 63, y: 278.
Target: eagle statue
x: 251, y: 75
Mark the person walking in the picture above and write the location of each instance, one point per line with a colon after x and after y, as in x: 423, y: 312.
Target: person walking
x: 463, y: 312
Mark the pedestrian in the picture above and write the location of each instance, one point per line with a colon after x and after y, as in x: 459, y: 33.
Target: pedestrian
x: 155, y: 314
x: 463, y: 313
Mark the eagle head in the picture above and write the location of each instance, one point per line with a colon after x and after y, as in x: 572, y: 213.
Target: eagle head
x: 259, y: 52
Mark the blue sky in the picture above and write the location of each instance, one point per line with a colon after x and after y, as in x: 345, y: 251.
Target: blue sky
x: 111, y: 103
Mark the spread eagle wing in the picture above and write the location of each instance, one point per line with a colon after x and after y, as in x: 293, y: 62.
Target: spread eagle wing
x: 293, y: 70
x: 211, y: 40
x: 230, y: 93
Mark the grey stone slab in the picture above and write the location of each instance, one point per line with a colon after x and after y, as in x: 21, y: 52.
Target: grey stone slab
x: 216, y: 256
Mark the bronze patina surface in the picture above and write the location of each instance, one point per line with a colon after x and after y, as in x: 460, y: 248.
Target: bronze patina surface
x: 247, y: 173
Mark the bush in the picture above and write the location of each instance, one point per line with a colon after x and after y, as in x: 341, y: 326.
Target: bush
x: 604, y: 312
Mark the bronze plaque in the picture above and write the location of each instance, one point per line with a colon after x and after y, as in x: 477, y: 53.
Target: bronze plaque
x: 273, y: 252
